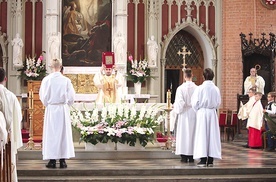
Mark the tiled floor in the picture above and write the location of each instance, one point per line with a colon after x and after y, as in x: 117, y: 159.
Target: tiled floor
x: 233, y: 155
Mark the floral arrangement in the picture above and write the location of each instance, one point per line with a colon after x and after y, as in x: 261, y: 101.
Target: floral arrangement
x: 33, y: 69
x: 137, y: 71
x: 117, y: 123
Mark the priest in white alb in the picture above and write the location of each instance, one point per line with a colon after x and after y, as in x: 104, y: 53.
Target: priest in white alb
x: 11, y: 110
x: 205, y: 101
x: 186, y: 118
x: 57, y: 94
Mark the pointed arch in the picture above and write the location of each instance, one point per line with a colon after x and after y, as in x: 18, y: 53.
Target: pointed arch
x: 204, y: 40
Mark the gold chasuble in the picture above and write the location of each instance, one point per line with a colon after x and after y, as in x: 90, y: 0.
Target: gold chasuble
x: 109, y: 89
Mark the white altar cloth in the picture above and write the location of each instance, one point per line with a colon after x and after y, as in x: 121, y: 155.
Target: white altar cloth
x: 91, y: 105
x: 128, y: 97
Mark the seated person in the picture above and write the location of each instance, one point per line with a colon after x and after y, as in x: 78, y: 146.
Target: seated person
x: 270, y: 109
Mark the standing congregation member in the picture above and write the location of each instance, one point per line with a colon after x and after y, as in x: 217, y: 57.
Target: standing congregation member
x: 270, y: 109
x: 254, y: 81
x: 11, y: 110
x: 186, y: 118
x: 205, y: 101
x: 254, y: 123
x: 57, y: 94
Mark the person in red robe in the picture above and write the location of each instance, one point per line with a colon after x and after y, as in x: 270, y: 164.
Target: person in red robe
x: 254, y: 123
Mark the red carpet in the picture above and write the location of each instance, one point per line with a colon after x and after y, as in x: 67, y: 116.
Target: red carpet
x: 25, y: 137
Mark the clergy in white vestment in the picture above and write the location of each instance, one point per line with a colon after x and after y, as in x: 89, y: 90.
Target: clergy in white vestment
x: 10, y: 107
x: 254, y: 81
x: 57, y: 94
x: 109, y: 83
x: 205, y: 101
x: 186, y: 118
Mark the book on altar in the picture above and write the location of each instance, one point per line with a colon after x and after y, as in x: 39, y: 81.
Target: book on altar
x: 108, y: 59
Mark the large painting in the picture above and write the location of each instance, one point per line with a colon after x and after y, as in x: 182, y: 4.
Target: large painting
x: 86, y: 31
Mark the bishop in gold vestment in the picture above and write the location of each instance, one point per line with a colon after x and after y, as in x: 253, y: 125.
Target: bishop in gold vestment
x: 109, y: 83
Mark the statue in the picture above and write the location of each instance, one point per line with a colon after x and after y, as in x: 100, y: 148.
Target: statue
x: 54, y: 46
x: 17, y: 44
x: 119, y: 48
x: 152, y: 51
x: 4, y: 44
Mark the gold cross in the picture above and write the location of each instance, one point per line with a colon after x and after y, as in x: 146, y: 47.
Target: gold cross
x: 184, y: 53
x: 109, y: 89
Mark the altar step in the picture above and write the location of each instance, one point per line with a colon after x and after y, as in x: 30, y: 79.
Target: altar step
x: 150, y: 165
x: 138, y: 170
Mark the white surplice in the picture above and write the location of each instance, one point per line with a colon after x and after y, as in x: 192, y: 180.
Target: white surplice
x: 10, y: 107
x: 205, y: 101
x: 246, y: 108
x: 57, y: 94
x: 255, y: 119
x: 186, y: 119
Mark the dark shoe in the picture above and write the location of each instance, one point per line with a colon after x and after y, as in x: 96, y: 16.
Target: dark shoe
x: 202, y: 162
x: 246, y: 146
x: 210, y: 162
x: 269, y: 149
x: 184, y: 158
x: 62, y: 163
x: 51, y: 164
x: 190, y: 159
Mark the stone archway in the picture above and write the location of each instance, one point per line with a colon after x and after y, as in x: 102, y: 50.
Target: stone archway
x: 207, y: 45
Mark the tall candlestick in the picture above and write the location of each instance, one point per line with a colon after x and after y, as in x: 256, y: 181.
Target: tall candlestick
x: 169, y: 99
x: 32, y: 93
x: 29, y: 99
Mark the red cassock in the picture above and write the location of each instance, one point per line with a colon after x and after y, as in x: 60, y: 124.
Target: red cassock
x: 255, y: 137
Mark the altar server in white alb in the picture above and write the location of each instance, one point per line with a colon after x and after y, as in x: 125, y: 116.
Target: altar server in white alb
x: 57, y: 94
x: 205, y: 101
x: 186, y: 118
x: 11, y: 110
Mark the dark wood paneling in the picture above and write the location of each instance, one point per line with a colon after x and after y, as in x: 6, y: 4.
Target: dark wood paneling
x: 141, y: 31
x: 38, y: 27
x: 28, y: 28
x: 202, y: 15
x: 165, y: 19
x: 174, y: 16
x: 130, y: 28
x: 212, y: 19
x: 3, y: 18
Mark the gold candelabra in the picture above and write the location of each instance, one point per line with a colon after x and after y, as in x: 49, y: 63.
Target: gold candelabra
x: 168, y: 111
x: 30, y: 144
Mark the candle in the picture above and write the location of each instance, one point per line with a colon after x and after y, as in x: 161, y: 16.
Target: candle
x: 32, y: 99
x: 29, y: 100
x: 169, y: 99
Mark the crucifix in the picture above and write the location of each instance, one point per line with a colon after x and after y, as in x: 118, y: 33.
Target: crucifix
x: 184, y: 53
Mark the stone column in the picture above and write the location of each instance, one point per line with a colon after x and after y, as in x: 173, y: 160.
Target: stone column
x: 52, y: 21
x: 119, y: 23
x: 14, y: 26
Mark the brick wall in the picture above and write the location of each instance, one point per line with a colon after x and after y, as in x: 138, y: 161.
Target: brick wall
x: 240, y: 16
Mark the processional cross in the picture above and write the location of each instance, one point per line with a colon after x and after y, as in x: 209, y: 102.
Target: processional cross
x: 184, y: 53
